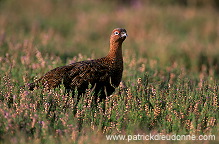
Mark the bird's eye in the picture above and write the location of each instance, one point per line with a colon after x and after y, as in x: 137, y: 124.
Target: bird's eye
x: 116, y: 33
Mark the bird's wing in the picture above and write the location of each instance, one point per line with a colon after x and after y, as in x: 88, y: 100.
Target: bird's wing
x: 85, y: 72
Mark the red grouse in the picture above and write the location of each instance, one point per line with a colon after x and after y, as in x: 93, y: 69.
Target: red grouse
x: 103, y: 74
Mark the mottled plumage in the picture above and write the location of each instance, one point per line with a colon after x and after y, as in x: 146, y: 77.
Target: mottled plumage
x: 103, y: 74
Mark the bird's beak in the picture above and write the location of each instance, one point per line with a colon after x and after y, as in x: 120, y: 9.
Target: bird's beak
x: 124, y: 34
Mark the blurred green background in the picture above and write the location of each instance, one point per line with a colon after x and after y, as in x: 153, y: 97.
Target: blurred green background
x: 181, y: 31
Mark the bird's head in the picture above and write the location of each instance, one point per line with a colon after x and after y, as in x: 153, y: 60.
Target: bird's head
x: 119, y: 35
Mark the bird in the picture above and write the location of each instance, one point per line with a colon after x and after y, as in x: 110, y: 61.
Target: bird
x: 102, y: 74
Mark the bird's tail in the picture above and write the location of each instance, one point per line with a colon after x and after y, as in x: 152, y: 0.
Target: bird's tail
x: 31, y: 86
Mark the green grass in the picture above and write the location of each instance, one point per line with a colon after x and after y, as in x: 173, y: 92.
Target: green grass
x: 170, y: 78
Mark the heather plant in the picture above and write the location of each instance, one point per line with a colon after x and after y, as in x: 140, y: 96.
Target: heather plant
x: 170, y: 79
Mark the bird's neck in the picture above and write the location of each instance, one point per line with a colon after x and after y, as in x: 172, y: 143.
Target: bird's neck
x: 115, y: 52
